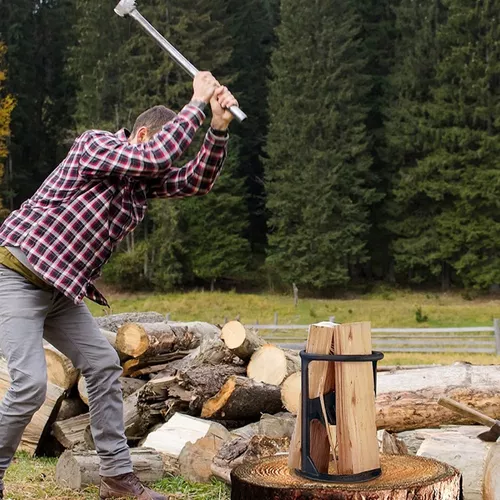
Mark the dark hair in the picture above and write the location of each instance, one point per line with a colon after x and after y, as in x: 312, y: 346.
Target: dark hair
x: 153, y: 119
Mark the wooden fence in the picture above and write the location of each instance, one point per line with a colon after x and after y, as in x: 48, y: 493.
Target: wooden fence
x: 476, y: 339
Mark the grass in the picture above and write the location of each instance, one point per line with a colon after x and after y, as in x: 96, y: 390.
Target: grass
x: 29, y: 478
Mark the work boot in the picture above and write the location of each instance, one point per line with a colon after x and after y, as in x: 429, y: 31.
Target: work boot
x: 127, y: 486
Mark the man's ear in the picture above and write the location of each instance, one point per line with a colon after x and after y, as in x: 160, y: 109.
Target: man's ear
x: 142, y: 135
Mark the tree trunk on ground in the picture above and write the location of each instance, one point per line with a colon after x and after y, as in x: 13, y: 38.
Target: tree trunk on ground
x: 71, y: 407
x: 271, y: 364
x: 60, y: 370
x: 152, y: 339
x: 40, y: 426
x: 241, y: 451
x: 70, y: 432
x: 240, y: 398
x: 77, y: 470
x: 112, y: 322
x: 408, y: 400
x: 404, y: 476
x: 240, y: 340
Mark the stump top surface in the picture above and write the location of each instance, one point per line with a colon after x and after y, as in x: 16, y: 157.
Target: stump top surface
x: 398, y: 472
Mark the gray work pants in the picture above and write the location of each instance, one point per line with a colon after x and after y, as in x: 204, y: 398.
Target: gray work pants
x: 29, y: 314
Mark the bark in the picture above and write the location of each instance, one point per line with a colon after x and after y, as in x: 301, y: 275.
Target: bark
x: 113, y: 321
x: 70, y: 432
x: 71, y: 407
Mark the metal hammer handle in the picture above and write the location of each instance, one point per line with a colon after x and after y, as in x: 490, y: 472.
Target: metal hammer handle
x: 468, y: 412
x: 177, y: 56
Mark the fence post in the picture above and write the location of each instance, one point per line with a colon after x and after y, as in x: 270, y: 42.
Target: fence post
x: 496, y: 326
x: 275, y: 318
x: 168, y: 317
x: 332, y: 319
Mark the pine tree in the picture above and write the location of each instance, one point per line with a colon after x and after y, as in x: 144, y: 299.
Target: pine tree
x: 7, y: 104
x: 410, y: 208
x: 319, y: 166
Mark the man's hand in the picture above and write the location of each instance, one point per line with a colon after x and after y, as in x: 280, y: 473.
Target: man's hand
x: 204, y: 85
x: 221, y: 101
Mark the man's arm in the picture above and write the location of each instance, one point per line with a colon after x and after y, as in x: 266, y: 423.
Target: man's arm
x: 104, y: 155
x: 196, y: 177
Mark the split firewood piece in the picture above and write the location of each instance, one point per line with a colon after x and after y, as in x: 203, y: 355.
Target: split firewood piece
x: 243, y: 398
x: 242, y: 341
x: 195, y: 459
x: 77, y: 470
x: 290, y: 392
x: 71, y: 407
x: 60, y: 370
x: 321, y: 381
x: 240, y: 451
x: 171, y: 437
x: 355, y: 401
x: 139, y: 416
x: 151, y: 364
x: 112, y: 322
x: 389, y: 444
x: 271, y: 364
x: 152, y: 339
x: 70, y: 432
x: 129, y: 386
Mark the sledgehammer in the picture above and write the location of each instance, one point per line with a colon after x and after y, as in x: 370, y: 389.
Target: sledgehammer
x: 489, y: 436
x: 128, y: 8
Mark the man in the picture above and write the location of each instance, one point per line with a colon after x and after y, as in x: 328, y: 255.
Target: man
x: 54, y: 246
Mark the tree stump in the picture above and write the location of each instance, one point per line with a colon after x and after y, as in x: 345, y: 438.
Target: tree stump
x: 403, y: 476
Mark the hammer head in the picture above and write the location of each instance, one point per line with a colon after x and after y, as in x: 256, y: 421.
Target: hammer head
x: 125, y: 7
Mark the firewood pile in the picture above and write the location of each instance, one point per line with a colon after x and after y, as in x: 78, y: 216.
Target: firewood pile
x: 200, y: 399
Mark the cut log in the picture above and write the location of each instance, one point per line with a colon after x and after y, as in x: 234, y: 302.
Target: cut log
x: 195, y: 459
x: 70, y: 432
x: 290, y: 392
x: 405, y: 476
x: 355, y: 401
x: 271, y: 364
x: 243, y: 398
x: 153, y: 339
x: 492, y: 474
x: 154, y: 364
x: 240, y: 340
x: 129, y: 386
x: 321, y: 381
x: 77, y: 470
x: 460, y: 448
x: 112, y: 322
x: 408, y: 399
x: 241, y: 451
x: 274, y: 426
x: 139, y: 416
x: 181, y: 429
x: 71, y: 407
x: 60, y: 370
x: 38, y: 430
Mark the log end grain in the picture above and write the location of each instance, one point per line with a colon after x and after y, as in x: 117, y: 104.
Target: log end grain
x: 132, y: 339
x: 403, y: 476
x: 233, y: 334
x: 290, y: 392
x: 268, y: 364
x: 60, y: 370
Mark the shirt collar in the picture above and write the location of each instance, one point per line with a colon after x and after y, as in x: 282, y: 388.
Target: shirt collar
x: 123, y: 134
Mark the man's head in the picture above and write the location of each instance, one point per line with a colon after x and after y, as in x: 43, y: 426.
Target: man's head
x: 150, y: 123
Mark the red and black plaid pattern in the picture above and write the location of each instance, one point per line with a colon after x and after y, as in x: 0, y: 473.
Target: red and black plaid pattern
x: 98, y: 194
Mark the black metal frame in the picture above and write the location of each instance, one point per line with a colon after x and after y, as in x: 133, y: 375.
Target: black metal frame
x: 311, y: 410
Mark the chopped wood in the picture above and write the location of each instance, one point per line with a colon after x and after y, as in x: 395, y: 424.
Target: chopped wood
x: 240, y: 451
x: 60, y: 370
x: 211, y: 351
x: 172, y: 436
x: 71, y: 407
x: 271, y: 364
x: 82, y: 390
x: 388, y: 443
x: 77, y: 470
x: 129, y: 386
x: 460, y: 448
x: 290, y: 392
x: 278, y: 425
x: 405, y: 476
x: 148, y: 365
x: 70, y: 432
x: 112, y: 322
x: 321, y: 381
x: 39, y: 428
x: 242, y: 341
x: 241, y: 397
x: 138, y: 416
x: 355, y: 401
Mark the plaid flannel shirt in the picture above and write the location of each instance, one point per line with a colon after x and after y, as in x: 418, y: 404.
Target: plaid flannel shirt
x: 98, y: 194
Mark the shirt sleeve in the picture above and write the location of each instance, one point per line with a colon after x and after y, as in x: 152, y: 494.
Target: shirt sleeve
x: 196, y: 177
x: 105, y: 155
